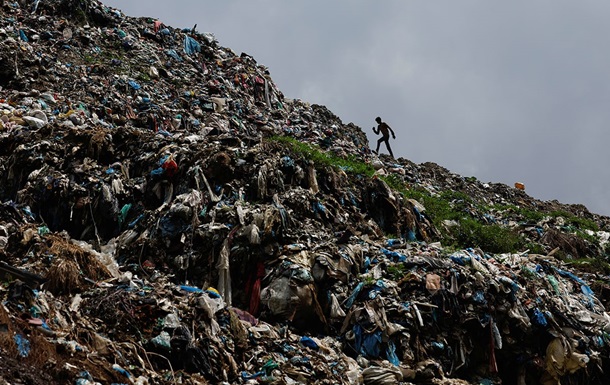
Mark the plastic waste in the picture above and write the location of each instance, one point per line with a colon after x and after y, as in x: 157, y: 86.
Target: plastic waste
x: 191, y: 46
x: 308, y: 343
x: 23, y: 345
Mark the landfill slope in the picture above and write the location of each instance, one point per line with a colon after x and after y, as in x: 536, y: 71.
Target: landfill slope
x: 167, y: 216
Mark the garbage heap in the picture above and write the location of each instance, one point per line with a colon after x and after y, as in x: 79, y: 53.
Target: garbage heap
x: 169, y: 217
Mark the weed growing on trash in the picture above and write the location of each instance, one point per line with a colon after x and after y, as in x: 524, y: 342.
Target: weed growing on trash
x: 368, y: 280
x: 592, y: 265
x: 534, y: 248
x: 469, y: 231
x: 494, y: 238
x: 397, y: 271
x: 529, y: 215
x: 452, y: 205
x: 591, y: 238
x: 448, y: 205
x: 350, y: 164
x: 578, y: 222
x: 395, y: 183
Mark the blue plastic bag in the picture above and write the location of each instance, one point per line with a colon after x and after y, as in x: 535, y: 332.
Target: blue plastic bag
x: 309, y: 343
x: 23, y: 345
x: 396, y: 257
x: 191, y: 45
x: 538, y: 318
x: 390, y: 353
x: 354, y: 295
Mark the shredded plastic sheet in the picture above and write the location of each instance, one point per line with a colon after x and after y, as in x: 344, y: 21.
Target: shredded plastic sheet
x: 191, y: 46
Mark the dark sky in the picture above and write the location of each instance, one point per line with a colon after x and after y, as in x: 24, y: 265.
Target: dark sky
x: 506, y: 92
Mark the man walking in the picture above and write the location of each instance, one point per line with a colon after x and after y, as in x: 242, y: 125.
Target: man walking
x: 385, y: 132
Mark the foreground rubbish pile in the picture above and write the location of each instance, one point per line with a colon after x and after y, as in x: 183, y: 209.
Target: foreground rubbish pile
x: 161, y: 223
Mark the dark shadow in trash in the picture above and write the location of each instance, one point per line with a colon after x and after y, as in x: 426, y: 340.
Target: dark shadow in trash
x: 10, y: 273
x: 191, y: 355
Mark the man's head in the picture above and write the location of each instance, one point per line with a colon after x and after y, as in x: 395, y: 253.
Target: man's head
x: 378, y: 120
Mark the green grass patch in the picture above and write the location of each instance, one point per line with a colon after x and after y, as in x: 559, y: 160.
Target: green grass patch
x: 525, y: 214
x: 587, y: 237
x: 395, y: 183
x: 535, y: 248
x: 350, y: 164
x: 419, y: 194
x: 491, y: 238
x: 470, y: 231
x: 368, y: 280
x: 397, y: 271
x: 530, y: 215
x: 592, y: 265
x: 578, y: 222
x: 448, y: 205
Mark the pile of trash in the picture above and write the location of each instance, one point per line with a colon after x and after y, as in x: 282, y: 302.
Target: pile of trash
x: 165, y: 218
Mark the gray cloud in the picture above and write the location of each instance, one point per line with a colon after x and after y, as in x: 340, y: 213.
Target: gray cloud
x: 505, y: 92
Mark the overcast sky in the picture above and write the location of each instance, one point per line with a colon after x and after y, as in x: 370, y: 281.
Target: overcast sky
x: 511, y: 91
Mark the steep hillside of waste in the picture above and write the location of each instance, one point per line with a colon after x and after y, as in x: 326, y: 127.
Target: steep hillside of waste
x: 168, y: 216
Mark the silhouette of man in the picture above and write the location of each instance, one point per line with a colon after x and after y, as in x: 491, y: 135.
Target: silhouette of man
x: 385, y: 132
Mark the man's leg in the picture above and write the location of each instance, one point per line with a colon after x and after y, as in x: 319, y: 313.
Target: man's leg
x: 387, y: 144
x: 378, y: 144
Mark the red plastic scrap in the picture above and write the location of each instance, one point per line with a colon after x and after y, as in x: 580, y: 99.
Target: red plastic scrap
x: 170, y: 166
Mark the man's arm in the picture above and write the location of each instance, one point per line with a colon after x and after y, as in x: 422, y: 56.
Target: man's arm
x: 392, y: 131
